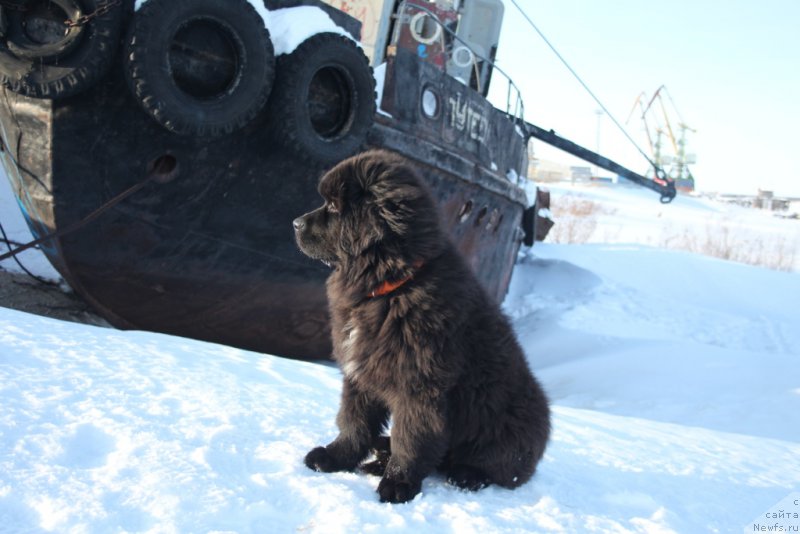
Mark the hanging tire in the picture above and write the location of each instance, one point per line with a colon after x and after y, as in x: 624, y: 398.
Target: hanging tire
x: 200, y: 67
x: 323, y: 102
x: 42, y: 57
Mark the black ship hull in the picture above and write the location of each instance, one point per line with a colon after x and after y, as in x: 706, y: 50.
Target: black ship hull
x: 208, y: 252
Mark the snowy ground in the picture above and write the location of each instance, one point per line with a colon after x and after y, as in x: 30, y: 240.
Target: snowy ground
x: 675, y: 380
x: 628, y: 215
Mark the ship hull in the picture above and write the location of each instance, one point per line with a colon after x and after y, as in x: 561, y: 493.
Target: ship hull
x: 209, y: 253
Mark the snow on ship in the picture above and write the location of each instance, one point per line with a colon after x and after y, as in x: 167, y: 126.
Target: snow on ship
x: 161, y: 149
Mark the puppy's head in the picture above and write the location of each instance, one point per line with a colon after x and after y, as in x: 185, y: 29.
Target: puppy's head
x: 375, y: 204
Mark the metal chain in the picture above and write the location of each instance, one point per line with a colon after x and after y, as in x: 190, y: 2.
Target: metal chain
x: 102, y: 9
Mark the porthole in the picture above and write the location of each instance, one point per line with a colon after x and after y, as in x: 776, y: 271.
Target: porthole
x: 481, y: 216
x: 466, y: 209
x: 430, y: 103
x: 497, y: 226
x: 462, y: 57
x: 493, y: 220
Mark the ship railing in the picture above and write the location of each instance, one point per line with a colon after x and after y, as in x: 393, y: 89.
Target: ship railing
x: 515, y: 107
x: 515, y: 110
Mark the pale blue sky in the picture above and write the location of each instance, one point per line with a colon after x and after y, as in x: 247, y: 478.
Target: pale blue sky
x: 732, y: 68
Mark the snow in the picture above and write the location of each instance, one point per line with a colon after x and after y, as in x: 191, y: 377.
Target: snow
x: 291, y: 26
x: 109, y: 431
x: 674, y: 378
x: 379, y: 73
x: 629, y: 216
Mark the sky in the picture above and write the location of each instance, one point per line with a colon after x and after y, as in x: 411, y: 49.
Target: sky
x: 732, y: 69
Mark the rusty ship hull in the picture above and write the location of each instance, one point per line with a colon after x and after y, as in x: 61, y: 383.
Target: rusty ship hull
x: 208, y: 252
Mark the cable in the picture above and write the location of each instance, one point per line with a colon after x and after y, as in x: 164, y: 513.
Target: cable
x: 8, y: 243
x: 678, y: 113
x: 575, y: 74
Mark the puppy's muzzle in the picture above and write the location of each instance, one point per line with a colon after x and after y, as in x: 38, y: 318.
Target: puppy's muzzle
x: 299, y: 224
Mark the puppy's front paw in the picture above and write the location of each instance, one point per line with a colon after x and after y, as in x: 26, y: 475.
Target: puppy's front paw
x: 319, y: 459
x: 397, y: 489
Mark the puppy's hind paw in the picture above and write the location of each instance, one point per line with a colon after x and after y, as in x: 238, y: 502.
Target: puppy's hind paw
x: 467, y: 477
x: 319, y: 459
x: 375, y: 467
x: 383, y: 454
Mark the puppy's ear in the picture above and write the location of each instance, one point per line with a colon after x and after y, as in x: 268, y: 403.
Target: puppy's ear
x: 396, y: 206
x: 408, y: 210
x: 332, y: 188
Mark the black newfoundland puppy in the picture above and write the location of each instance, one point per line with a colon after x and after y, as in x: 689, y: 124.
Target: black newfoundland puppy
x: 417, y: 338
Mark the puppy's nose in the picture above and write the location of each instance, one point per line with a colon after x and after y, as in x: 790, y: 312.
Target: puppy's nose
x: 299, y: 224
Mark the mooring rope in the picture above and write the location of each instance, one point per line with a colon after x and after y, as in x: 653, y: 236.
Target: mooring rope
x: 162, y: 172
x: 585, y: 86
x: 8, y: 244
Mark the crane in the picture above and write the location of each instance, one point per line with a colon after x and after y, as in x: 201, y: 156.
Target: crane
x: 678, y: 164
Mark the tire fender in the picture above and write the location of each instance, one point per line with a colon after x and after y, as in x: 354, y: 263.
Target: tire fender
x: 323, y: 102
x: 58, y: 67
x: 200, y: 67
x: 24, y: 47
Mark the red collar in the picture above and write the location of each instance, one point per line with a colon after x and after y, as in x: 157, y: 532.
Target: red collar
x: 387, y: 287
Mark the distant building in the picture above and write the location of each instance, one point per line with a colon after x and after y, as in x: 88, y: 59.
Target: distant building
x: 580, y: 174
x: 765, y: 200
x: 541, y: 170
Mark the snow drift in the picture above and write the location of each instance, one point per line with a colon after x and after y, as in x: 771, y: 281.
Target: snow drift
x: 675, y: 382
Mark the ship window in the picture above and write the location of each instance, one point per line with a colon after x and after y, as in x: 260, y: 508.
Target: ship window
x: 430, y: 103
x: 481, y: 216
x: 462, y: 57
x: 499, y: 223
x: 493, y: 218
x: 466, y: 209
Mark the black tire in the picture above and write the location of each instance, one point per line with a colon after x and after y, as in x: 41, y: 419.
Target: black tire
x: 179, y: 83
x: 52, y: 65
x: 22, y: 45
x: 323, y: 102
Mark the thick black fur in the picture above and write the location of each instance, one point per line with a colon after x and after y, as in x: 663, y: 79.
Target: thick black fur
x: 436, y: 354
